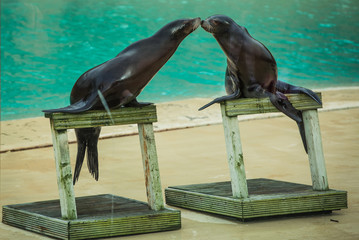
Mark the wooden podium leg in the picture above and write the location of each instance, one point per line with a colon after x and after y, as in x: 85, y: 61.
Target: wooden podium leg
x: 150, y: 166
x: 63, y: 171
x: 315, y: 150
x: 234, y: 155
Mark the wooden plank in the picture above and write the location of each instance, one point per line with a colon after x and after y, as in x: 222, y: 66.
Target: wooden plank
x: 97, y: 118
x: 245, y: 106
x: 267, y: 198
x: 35, y: 222
x: 163, y: 220
x: 315, y: 150
x: 63, y: 172
x: 98, y: 216
x: 234, y: 155
x: 227, y: 206
x: 257, y: 206
x: 150, y: 166
x: 284, y: 205
x: 258, y: 188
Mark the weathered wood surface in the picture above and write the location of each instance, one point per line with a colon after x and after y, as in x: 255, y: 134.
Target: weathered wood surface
x: 234, y: 155
x: 256, y: 187
x: 245, y: 106
x: 144, y: 117
x: 98, y: 216
x: 266, y: 198
x: 63, y: 172
x: 315, y: 150
x: 230, y: 110
x: 150, y: 166
x: 96, y: 118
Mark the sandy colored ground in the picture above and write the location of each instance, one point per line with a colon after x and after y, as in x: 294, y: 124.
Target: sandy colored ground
x: 272, y: 149
x: 34, y: 132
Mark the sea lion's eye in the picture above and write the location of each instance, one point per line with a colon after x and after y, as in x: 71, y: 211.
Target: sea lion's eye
x: 216, y: 22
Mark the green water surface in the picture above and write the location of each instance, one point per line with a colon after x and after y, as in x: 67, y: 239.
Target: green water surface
x: 46, y: 45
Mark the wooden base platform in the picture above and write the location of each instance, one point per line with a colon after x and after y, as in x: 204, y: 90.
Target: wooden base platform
x: 98, y: 216
x: 266, y: 198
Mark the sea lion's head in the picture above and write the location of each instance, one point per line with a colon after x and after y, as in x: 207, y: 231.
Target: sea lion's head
x: 217, y: 24
x: 178, y: 29
x: 183, y: 27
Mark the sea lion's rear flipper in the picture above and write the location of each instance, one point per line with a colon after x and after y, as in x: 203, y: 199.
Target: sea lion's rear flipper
x: 81, y: 150
x: 281, y: 102
x: 87, y: 138
x: 284, y: 87
x: 302, y: 135
x: 92, y: 153
x: 232, y: 96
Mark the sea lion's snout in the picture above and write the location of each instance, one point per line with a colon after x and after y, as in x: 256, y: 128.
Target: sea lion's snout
x: 196, y: 23
x: 206, y: 25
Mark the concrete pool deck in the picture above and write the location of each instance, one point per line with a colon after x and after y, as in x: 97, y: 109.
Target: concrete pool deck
x: 195, y: 153
x: 32, y: 133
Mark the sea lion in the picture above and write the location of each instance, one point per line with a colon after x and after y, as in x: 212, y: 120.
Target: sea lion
x: 252, y: 70
x: 117, y: 83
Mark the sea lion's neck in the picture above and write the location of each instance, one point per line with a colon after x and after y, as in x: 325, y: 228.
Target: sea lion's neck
x: 231, y: 44
x: 167, y: 46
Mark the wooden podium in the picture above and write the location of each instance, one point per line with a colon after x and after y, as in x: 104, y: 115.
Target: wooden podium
x: 245, y: 199
x: 100, y: 215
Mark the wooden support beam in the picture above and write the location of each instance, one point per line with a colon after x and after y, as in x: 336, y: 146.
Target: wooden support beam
x: 143, y: 116
x: 150, y: 166
x: 315, y: 150
x: 234, y: 155
x: 64, y: 175
x: 98, y: 118
x: 244, y: 106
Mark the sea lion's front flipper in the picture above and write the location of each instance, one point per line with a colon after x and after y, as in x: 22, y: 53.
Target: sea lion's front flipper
x: 232, y: 96
x: 77, y: 107
x: 73, y: 108
x: 134, y: 103
x: 284, y: 87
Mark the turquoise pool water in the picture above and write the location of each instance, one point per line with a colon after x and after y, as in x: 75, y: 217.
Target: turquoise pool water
x: 46, y: 45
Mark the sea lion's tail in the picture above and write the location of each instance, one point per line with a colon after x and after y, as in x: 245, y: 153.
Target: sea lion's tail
x: 87, y: 138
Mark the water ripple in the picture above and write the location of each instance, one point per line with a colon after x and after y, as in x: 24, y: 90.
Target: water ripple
x: 47, y: 45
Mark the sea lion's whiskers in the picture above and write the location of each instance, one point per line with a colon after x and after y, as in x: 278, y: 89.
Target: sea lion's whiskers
x: 105, y: 105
